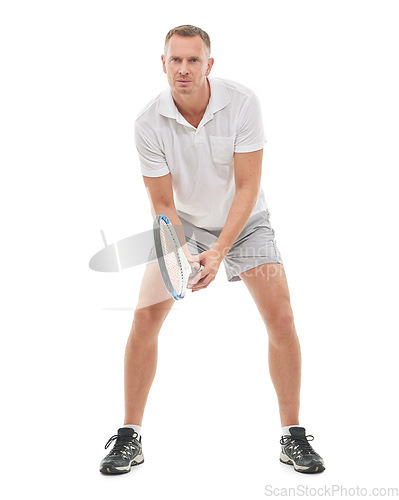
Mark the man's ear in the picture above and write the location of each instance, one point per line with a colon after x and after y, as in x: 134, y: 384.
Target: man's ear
x: 211, y: 60
x: 163, y: 63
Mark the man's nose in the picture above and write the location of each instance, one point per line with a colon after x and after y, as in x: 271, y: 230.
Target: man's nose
x: 183, y: 69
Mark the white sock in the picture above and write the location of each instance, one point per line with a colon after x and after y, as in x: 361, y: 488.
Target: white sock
x: 286, y: 429
x: 137, y: 428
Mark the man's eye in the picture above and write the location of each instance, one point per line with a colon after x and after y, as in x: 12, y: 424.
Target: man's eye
x: 194, y: 60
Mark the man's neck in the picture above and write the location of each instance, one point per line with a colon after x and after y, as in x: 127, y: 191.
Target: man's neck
x: 193, y: 105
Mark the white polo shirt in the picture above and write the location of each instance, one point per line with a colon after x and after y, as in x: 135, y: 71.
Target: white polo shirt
x: 201, y: 160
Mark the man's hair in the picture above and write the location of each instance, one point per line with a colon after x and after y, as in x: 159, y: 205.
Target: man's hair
x: 188, y: 30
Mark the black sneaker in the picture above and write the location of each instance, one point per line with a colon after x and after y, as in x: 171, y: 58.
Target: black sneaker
x: 296, y: 451
x: 127, y: 452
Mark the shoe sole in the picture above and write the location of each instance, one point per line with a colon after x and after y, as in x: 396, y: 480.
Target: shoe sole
x: 112, y: 470
x: 313, y: 469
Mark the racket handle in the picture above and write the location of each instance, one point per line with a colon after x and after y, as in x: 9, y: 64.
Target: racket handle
x: 195, y: 271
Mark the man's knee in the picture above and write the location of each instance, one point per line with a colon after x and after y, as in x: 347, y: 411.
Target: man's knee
x: 280, y: 326
x: 150, y: 319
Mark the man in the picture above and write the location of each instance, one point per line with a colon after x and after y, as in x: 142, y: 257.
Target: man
x: 200, y: 145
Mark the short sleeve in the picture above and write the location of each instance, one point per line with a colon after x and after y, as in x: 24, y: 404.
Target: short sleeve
x: 152, y: 159
x: 250, y: 135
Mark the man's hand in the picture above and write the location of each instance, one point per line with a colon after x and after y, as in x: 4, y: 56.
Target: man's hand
x: 210, y: 260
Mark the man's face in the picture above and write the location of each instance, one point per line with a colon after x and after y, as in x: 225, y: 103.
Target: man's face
x: 186, y: 63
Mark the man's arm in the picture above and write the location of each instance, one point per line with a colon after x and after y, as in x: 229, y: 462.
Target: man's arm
x: 247, y: 176
x: 160, y: 193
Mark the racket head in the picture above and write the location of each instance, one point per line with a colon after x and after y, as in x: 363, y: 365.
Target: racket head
x: 173, y: 264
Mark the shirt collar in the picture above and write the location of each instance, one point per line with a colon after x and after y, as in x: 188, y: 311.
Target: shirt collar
x: 220, y: 98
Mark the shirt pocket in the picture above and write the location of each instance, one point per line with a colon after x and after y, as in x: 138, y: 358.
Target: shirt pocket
x: 222, y: 149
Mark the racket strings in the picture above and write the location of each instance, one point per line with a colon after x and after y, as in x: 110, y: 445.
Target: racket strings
x: 171, y: 257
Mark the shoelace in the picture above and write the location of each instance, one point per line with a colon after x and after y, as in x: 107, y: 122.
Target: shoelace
x: 303, y: 443
x: 120, y: 443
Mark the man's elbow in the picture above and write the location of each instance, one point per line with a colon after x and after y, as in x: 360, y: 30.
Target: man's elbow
x: 250, y: 191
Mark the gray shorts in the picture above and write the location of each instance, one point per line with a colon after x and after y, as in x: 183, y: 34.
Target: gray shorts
x: 254, y: 246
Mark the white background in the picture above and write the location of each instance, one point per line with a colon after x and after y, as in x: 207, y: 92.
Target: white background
x: 74, y: 76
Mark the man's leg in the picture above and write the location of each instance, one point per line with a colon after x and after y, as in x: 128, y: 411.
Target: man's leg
x: 140, y: 365
x: 142, y: 346
x: 268, y: 286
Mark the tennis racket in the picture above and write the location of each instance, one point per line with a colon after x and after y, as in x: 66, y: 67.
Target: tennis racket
x: 173, y: 264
